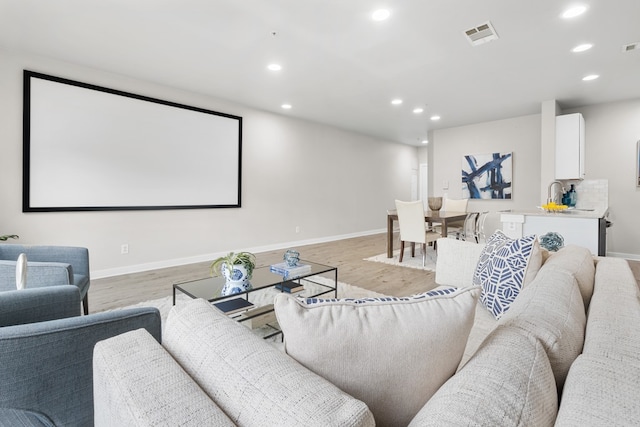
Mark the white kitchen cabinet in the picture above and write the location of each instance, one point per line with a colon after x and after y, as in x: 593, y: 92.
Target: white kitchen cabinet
x: 570, y: 146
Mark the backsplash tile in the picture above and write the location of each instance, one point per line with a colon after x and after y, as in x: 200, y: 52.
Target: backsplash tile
x: 593, y: 194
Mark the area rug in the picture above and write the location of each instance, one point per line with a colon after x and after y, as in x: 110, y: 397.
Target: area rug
x: 408, y: 261
x: 345, y: 290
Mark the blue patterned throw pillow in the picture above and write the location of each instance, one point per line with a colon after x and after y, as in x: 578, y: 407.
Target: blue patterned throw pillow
x: 501, y: 270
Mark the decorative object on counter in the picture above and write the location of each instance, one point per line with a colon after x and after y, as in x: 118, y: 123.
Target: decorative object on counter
x: 552, y: 241
x: 487, y: 176
x: 237, y: 269
x: 9, y: 236
x: 553, y: 207
x: 291, y: 257
x: 435, y: 203
x: 573, y: 196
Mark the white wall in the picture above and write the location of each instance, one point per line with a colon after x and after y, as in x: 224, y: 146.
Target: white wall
x: 329, y: 182
x: 520, y: 135
x: 612, y: 131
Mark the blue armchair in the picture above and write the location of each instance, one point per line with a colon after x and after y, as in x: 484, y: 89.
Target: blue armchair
x: 46, y: 353
x: 47, y: 266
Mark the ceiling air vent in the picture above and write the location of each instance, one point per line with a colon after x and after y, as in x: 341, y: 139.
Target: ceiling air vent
x: 481, y: 34
x: 631, y: 46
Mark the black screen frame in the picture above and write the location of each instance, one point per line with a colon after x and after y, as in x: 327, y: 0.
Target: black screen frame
x: 27, y: 149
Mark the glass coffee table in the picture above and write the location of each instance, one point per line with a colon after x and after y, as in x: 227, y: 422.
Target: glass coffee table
x: 257, y: 313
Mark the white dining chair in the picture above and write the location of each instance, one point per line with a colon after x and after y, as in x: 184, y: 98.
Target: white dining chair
x: 414, y: 229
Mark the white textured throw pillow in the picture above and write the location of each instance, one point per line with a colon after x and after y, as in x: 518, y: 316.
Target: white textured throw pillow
x: 501, y: 270
x: 391, y: 353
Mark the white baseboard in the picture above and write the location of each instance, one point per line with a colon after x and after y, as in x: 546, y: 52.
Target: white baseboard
x: 139, y: 268
x: 633, y: 257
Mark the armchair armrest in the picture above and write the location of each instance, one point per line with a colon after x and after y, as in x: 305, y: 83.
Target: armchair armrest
x: 47, y: 367
x: 76, y: 256
x: 39, y: 304
x: 38, y: 274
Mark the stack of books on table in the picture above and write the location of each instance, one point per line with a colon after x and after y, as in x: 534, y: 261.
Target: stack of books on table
x: 286, y: 271
x: 289, y: 286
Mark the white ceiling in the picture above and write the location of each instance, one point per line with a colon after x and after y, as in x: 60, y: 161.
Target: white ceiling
x: 340, y: 67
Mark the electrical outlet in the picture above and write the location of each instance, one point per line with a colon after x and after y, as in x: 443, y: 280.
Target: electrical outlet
x: 297, y: 229
x: 124, y: 249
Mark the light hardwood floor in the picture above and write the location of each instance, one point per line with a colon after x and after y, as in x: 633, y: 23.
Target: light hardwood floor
x: 348, y: 255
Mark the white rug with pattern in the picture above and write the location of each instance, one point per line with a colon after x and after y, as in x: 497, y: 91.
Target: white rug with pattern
x: 408, y: 261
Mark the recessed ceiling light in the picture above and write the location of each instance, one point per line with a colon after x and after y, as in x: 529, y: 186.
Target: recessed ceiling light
x: 574, y: 11
x: 434, y: 118
x: 418, y: 110
x: 274, y: 67
x: 582, y: 47
x: 396, y: 101
x: 286, y: 106
x: 590, y: 77
x: 425, y: 141
x: 380, y: 15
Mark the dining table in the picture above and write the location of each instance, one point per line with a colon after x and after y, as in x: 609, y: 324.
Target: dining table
x: 441, y: 217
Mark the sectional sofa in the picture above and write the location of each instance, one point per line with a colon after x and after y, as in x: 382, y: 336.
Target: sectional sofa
x: 566, y: 351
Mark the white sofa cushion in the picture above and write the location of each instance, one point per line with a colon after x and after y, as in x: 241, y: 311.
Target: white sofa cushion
x: 502, y: 268
x: 551, y: 310
x: 391, y: 353
x: 136, y: 382
x: 253, y: 382
x: 614, y: 313
x: 579, y: 262
x: 456, y: 262
x: 508, y: 382
x: 600, y: 392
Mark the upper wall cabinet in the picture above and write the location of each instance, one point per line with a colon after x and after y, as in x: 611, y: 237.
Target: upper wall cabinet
x: 570, y: 146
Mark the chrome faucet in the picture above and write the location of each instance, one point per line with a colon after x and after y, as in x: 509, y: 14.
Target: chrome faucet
x: 555, y: 195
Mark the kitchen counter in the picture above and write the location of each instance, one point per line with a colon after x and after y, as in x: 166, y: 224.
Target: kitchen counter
x: 582, y: 227
x: 572, y: 213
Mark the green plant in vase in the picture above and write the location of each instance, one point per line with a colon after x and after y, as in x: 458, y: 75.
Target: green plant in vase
x: 237, y: 269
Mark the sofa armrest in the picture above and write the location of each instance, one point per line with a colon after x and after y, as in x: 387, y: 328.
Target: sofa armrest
x: 39, y: 304
x: 47, y: 367
x: 137, y: 383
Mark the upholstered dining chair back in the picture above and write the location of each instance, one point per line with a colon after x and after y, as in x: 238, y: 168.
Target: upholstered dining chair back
x: 411, y: 220
x: 455, y: 205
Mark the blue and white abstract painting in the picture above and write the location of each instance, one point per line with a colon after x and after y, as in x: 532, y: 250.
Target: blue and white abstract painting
x: 487, y: 176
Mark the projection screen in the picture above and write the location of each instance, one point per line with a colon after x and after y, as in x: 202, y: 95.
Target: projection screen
x: 87, y: 147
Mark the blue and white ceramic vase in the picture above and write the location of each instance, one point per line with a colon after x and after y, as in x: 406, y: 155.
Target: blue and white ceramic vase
x: 236, y: 280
